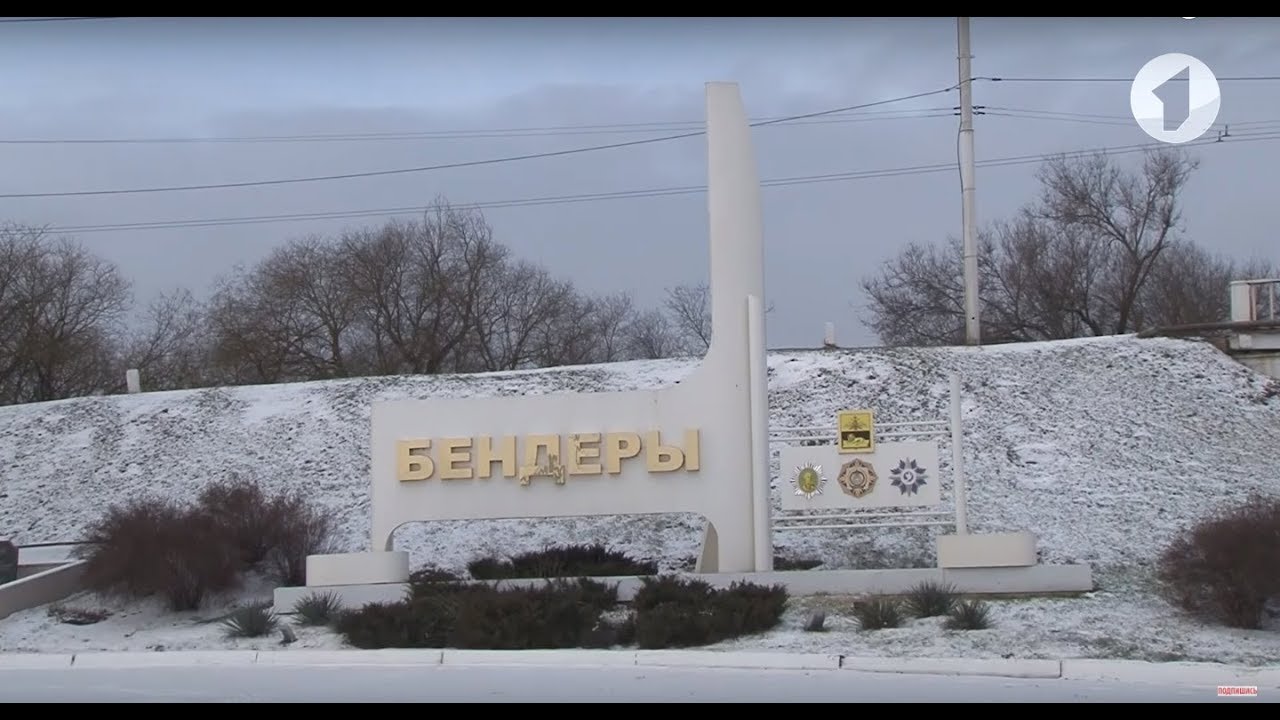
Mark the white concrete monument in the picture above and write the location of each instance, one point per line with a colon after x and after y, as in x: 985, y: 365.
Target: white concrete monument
x: 700, y: 446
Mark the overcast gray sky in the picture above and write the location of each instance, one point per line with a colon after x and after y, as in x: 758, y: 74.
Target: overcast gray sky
x: 474, y: 89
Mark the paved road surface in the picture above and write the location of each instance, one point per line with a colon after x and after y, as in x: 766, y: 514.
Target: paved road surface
x: 365, y: 683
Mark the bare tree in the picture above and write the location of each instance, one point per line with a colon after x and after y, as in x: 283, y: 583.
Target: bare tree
x: 20, y: 252
x: 1128, y: 220
x: 421, y: 287
x: 62, y: 308
x: 252, y: 335
x: 292, y: 317
x: 608, y: 319
x: 1191, y: 285
x: 651, y: 337
x: 309, y: 277
x: 517, y: 312
x: 435, y: 295
x: 173, y: 349
x: 571, y: 335
x: 690, y: 311
x: 1098, y: 253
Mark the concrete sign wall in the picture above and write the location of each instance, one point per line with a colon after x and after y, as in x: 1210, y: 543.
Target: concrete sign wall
x: 700, y: 446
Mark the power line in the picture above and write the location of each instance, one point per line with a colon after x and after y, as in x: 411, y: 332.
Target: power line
x: 470, y: 163
x: 1083, y: 121
x: 612, y: 129
x: 1099, y: 119
x: 1067, y: 113
x: 638, y: 193
x: 544, y: 131
x: 54, y: 19
x: 1236, y: 78
x: 608, y: 129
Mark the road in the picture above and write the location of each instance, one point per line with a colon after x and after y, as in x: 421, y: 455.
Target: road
x: 487, y: 683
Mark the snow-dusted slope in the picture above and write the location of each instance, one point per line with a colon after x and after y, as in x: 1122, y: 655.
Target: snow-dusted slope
x: 1104, y: 448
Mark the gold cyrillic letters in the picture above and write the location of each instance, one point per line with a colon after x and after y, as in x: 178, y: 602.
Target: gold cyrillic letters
x: 579, y: 454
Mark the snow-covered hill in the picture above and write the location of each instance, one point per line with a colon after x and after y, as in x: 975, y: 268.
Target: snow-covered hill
x: 1103, y: 447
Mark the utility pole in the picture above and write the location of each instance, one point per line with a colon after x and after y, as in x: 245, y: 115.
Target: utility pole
x: 972, y: 333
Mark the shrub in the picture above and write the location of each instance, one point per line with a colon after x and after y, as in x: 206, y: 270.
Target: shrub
x: 563, y: 613
x: 674, y: 625
x: 276, y: 531
x: 186, y: 552
x: 663, y: 589
x: 389, y: 625
x: 149, y: 547
x: 298, y: 530
x: 747, y: 608
x: 77, y: 616
x: 564, y: 561
x: 432, y: 575
x: 523, y: 618
x: 590, y: 593
x: 784, y: 563
x: 250, y: 621
x: 610, y: 633
x: 244, y: 514
x: 684, y: 612
x: 557, y: 614
x: 878, y: 613
x: 969, y: 615
x: 931, y: 599
x: 1224, y: 570
x: 318, y: 609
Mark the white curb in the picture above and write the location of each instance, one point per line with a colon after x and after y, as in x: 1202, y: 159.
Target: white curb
x: 758, y: 660
x: 167, y: 658
x: 995, y: 667
x: 316, y: 658
x: 567, y: 657
x: 1182, y: 673
x: 34, y: 661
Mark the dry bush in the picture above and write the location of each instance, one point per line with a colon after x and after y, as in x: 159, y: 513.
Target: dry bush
x: 275, y: 532
x: 672, y: 612
x: 562, y: 613
x: 149, y: 547
x: 932, y: 599
x: 243, y: 512
x: 1226, y: 568
x: 558, y: 614
x: 251, y: 621
x: 879, y: 613
x: 970, y: 614
x: 185, y: 552
x: 318, y: 609
x: 298, y: 530
x: 564, y: 561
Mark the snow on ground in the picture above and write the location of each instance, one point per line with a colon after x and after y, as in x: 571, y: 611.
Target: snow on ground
x: 1103, y: 624
x: 1104, y: 448
x: 1118, y: 623
x: 147, y: 625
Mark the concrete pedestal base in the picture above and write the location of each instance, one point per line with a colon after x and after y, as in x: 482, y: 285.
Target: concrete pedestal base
x: 987, y: 550
x: 363, y: 568
x: 1034, y: 580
